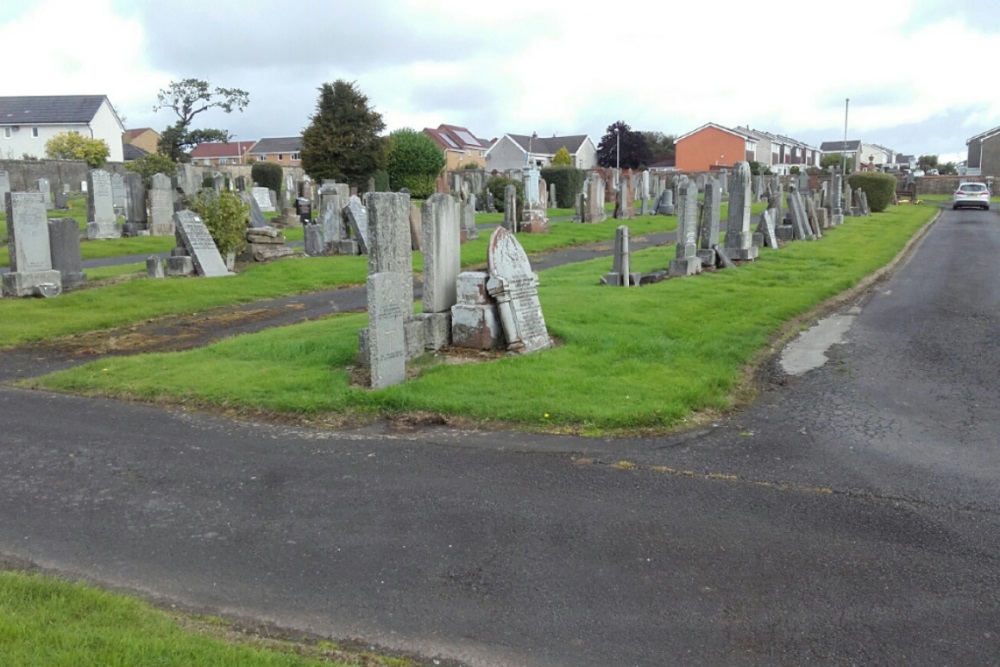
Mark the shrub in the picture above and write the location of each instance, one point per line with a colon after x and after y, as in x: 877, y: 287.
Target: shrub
x: 496, y: 186
x: 878, y: 187
x: 414, y: 162
x: 471, y: 166
x: 421, y: 186
x: 568, y: 181
x: 381, y: 177
x: 562, y: 158
x: 72, y: 146
x: 225, y: 215
x: 267, y: 175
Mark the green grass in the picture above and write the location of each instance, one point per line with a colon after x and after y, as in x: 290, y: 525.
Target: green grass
x: 630, y: 358
x: 44, y: 621
x: 26, y: 320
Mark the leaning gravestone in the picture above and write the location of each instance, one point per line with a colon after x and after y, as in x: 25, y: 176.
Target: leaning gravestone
x: 257, y: 218
x: 263, y: 198
x: 357, y: 217
x: 161, y: 207
x: 766, y: 227
x: 64, y: 247
x: 665, y: 204
x: 199, y: 245
x: 101, y: 221
x: 514, y: 287
x: 31, y: 270
x: 43, y: 187
x: 593, y: 209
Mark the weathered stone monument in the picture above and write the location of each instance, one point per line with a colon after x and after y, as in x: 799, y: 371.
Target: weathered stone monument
x: 64, y: 248
x: 665, y: 203
x: 510, y: 208
x: 836, y: 201
x: 687, y: 262
x: 624, y: 199
x: 101, y: 220
x: 4, y: 185
x: 46, y: 190
x: 514, y: 287
x: 118, y: 198
x: 621, y: 270
x: 593, y: 209
x: 766, y: 228
x: 31, y: 272
x: 265, y: 243
x: 800, y: 223
x: 136, y: 199
x: 708, y: 234
x: 535, y: 218
x: 442, y: 263
x: 263, y: 199
x: 739, y: 238
x: 357, y: 217
x: 644, y: 194
x: 468, y: 209
x: 193, y: 236
x: 161, y: 206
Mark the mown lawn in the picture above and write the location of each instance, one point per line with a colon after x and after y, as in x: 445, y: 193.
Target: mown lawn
x: 48, y: 622
x: 644, y: 357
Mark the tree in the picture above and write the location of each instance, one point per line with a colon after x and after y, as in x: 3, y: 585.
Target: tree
x: 831, y: 160
x: 268, y: 175
x: 634, y: 151
x: 188, y: 98
x: 927, y: 162
x: 414, y: 162
x: 150, y: 164
x: 947, y: 169
x: 562, y: 158
x: 661, y: 146
x: 73, y: 146
x: 342, y: 141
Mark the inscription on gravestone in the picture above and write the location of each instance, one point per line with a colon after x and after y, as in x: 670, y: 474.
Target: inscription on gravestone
x: 515, y: 288
x: 207, y: 260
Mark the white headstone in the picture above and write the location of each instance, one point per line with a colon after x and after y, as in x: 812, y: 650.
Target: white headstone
x: 442, y: 252
x: 515, y: 288
x: 101, y: 220
x: 199, y: 244
x: 263, y: 198
x: 28, y: 239
x: 161, y: 206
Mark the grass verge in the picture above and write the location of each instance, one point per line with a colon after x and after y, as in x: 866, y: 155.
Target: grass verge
x: 45, y: 621
x: 646, y: 358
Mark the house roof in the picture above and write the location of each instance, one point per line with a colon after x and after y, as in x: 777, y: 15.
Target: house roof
x: 49, y: 109
x: 455, y: 137
x: 548, y: 145
x: 277, y: 145
x: 217, y: 149
x: 737, y: 132
x: 839, y: 146
x: 132, y: 152
x: 983, y: 135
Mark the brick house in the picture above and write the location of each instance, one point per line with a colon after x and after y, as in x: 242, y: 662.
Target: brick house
x: 460, y: 146
x: 218, y: 153
x: 712, y: 147
x: 285, y: 151
x: 145, y: 138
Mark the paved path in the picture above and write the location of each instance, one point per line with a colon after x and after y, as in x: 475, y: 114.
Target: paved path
x: 850, y: 517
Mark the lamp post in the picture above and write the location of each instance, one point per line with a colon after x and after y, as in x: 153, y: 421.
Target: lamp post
x: 843, y: 155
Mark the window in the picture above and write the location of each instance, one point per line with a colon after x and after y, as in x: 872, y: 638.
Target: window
x: 6, y: 132
x: 223, y: 160
x: 34, y: 132
x: 295, y: 156
x: 280, y: 157
x: 482, y: 153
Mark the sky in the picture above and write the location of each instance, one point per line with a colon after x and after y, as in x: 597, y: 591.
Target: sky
x: 917, y: 72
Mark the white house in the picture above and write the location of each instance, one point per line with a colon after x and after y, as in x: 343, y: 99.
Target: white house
x: 26, y: 123
x: 515, y: 151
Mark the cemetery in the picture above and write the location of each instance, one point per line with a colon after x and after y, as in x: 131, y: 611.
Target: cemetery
x: 482, y: 318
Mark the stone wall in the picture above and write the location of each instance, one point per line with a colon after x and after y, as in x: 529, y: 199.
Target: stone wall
x: 941, y: 185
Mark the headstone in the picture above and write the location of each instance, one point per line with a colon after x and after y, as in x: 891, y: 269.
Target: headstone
x: 475, y: 323
x: 161, y: 207
x: 101, y: 221
x: 621, y: 271
x: 118, y: 193
x: 442, y: 263
x: 154, y: 267
x: 552, y: 195
x: 711, y: 218
x: 385, y: 337
x: 263, y: 198
x: 240, y: 183
x: 187, y: 179
x: 665, y: 203
x: 469, y: 231
x: 510, y: 208
x: 514, y: 287
x: 43, y: 187
x: 218, y: 182
x: 65, y: 188
x: 739, y: 238
x: 416, y: 225
x: 535, y: 220
x: 644, y: 193
x: 687, y: 262
x: 811, y: 217
x: 4, y: 185
x: 256, y: 216
x: 31, y: 270
x: 623, y: 200
x: 62, y: 200
x: 357, y: 217
x: 331, y: 216
x: 199, y: 245
x: 64, y: 249
x: 800, y: 223
x: 766, y: 227
x: 136, y: 198
x: 594, y: 205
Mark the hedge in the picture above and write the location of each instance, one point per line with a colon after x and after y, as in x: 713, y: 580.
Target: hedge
x: 878, y: 187
x: 267, y: 175
x: 568, y: 181
x: 496, y: 186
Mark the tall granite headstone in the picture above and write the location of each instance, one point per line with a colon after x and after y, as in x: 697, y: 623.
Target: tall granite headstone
x: 510, y: 208
x: 739, y: 237
x: 441, y: 243
x: 161, y: 206
x: 711, y: 218
x: 686, y: 261
x: 118, y: 198
x: 136, y: 198
x: 31, y: 270
x: 46, y: 190
x: 621, y: 270
x: 64, y: 247
x: 101, y: 220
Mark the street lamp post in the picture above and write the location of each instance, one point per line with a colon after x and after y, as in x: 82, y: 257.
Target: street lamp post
x: 843, y: 154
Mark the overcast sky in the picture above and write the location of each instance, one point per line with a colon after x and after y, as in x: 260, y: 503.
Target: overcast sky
x: 917, y: 73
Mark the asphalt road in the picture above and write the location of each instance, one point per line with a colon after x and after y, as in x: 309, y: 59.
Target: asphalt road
x: 849, y: 517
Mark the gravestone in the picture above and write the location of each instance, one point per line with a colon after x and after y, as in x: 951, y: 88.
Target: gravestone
x: 64, y: 249
x: 739, y: 238
x: 161, y: 206
x: 241, y: 183
x: 594, y: 205
x: 644, y: 193
x: 43, y: 187
x: 357, y: 217
x: 800, y: 223
x: 469, y: 231
x: 154, y: 267
x: 621, y: 271
x: 62, y: 200
x: 510, y: 208
x: 136, y: 198
x: 315, y: 244
x: 836, y: 201
x: 552, y: 196
x: 4, y: 185
x: 441, y: 243
x: 665, y: 204
x: 101, y: 221
x: 686, y: 261
x: 218, y: 182
x: 416, y: 225
x: 475, y: 323
x: 535, y: 220
x: 624, y: 200
x: 118, y: 198
x: 193, y: 233
x: 331, y: 217
x: 811, y: 217
x: 385, y: 337
x: 30, y: 261
x: 263, y: 198
x: 766, y: 227
x: 514, y: 287
x: 711, y: 218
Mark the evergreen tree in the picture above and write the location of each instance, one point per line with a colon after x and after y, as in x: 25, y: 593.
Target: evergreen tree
x: 342, y: 141
x: 562, y: 158
x: 634, y: 150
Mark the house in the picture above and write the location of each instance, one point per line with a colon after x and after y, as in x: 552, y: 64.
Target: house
x: 216, y: 153
x: 713, y: 146
x: 282, y: 150
x: 132, y: 152
x: 859, y: 153
x: 778, y: 152
x: 145, y: 138
x: 26, y: 123
x: 515, y: 151
x: 460, y: 146
x: 983, y: 154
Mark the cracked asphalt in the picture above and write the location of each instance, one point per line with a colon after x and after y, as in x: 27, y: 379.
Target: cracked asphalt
x: 850, y: 516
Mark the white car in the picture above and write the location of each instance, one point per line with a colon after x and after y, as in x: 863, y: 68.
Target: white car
x: 972, y: 194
